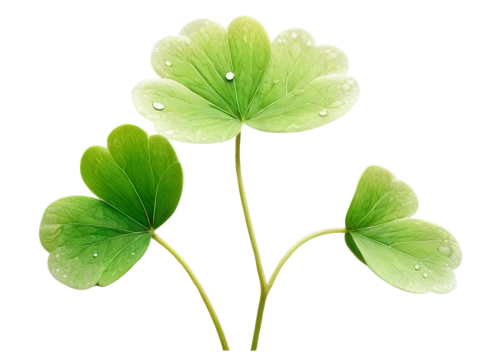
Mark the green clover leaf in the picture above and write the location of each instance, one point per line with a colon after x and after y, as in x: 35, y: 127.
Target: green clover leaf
x: 96, y: 241
x: 411, y: 254
x: 214, y: 80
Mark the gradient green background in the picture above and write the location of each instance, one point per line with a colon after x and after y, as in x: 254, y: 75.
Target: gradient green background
x: 64, y: 76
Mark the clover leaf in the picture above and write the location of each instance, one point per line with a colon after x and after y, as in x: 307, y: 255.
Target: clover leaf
x: 96, y: 241
x: 214, y: 80
x: 411, y: 254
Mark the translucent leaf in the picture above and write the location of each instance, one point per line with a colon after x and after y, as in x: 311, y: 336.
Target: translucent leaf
x: 304, y: 87
x: 413, y: 255
x: 216, y: 79
x: 95, y: 242
x: 183, y: 115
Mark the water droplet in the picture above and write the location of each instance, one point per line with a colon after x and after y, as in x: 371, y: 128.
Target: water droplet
x: 276, y: 81
x: 133, y: 253
x: 57, y: 270
x: 445, y: 251
x: 229, y: 76
x: 350, y: 82
x: 424, y: 275
x: 158, y: 106
x: 308, y: 43
x: 95, y: 254
x: 417, y: 267
x: 64, y: 276
x: 279, y: 41
x: 293, y: 35
x: 346, y: 87
x: 323, y: 112
x: 168, y: 63
x: 203, y: 138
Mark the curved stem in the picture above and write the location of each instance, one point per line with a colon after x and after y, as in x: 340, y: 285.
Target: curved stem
x: 265, y: 286
x: 269, y: 285
x: 299, y: 244
x: 244, y: 203
x: 197, y: 283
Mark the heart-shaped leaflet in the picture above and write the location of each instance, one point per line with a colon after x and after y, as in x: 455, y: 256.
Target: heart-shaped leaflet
x: 96, y: 241
x: 411, y: 254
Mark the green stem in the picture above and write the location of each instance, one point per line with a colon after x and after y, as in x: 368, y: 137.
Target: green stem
x: 251, y: 233
x: 265, y: 287
x: 263, y: 297
x: 197, y: 283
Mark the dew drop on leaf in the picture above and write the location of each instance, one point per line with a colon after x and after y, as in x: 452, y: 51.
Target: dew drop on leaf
x: 308, y: 43
x: 229, y: 76
x: 64, y: 276
x: 417, y: 267
x: 95, y: 254
x: 168, y: 63
x: 276, y: 81
x: 445, y: 251
x: 158, y: 106
x: 279, y: 41
x: 425, y: 275
x: 293, y: 35
x: 133, y: 253
x: 57, y: 270
x: 323, y: 112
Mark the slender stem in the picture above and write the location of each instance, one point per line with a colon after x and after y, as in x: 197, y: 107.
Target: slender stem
x: 263, y: 297
x: 197, y: 283
x: 265, y: 287
x: 258, y: 320
x: 296, y: 246
x: 251, y: 233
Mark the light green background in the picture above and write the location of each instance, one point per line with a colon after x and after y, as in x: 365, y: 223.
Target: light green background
x: 428, y: 112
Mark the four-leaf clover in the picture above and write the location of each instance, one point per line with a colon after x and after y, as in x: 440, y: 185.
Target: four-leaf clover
x: 214, y: 80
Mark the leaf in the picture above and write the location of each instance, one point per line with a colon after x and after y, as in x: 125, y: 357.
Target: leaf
x: 250, y: 50
x: 304, y: 87
x: 96, y: 241
x: 411, y: 254
x: 289, y: 86
x: 184, y: 116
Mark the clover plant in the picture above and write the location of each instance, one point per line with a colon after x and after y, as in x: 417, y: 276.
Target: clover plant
x: 213, y: 81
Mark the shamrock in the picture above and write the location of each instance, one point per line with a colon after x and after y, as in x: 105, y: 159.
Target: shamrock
x: 412, y: 254
x: 214, y: 80
x: 96, y: 241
